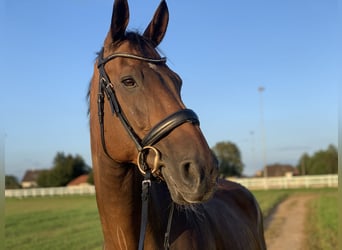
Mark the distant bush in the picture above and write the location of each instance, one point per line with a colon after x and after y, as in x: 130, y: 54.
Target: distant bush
x: 321, y: 162
x: 11, y: 182
x: 65, y: 168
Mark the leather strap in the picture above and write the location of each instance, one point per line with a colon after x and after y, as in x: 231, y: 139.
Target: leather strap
x: 171, y: 122
x: 168, y: 228
x: 145, y: 195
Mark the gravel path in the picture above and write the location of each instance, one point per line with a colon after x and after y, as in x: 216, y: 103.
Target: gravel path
x: 285, y: 227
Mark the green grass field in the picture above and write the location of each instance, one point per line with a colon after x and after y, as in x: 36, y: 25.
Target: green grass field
x: 69, y: 222
x: 72, y: 222
x: 322, y: 227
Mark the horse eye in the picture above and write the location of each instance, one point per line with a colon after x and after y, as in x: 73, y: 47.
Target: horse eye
x: 129, y: 82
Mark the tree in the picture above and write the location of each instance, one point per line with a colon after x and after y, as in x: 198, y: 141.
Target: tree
x: 322, y: 162
x: 11, y: 182
x: 229, y: 158
x: 303, y: 164
x: 45, y: 179
x: 65, y: 168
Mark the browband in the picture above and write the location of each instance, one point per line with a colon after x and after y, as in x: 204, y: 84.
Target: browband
x: 126, y: 55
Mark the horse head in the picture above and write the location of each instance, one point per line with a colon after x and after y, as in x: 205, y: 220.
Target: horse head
x: 144, y: 95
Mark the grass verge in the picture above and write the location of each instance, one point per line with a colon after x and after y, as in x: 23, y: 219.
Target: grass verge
x: 322, y: 221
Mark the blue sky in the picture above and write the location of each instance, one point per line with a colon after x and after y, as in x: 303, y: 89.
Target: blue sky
x: 223, y: 51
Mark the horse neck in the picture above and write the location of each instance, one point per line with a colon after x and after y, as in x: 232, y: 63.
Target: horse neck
x: 118, y: 194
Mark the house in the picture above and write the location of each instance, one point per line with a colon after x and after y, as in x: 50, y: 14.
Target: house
x: 81, y: 180
x: 278, y: 170
x: 30, y: 179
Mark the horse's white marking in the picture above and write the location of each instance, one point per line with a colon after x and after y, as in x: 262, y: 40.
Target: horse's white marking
x: 121, y: 239
x: 152, y: 66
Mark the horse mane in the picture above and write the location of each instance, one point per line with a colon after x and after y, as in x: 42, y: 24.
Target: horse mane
x: 138, y: 42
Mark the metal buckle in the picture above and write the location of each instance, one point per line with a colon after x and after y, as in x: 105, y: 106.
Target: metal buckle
x: 148, y: 182
x: 141, y: 161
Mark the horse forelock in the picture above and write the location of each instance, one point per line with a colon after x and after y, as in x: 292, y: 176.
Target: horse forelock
x: 139, y: 43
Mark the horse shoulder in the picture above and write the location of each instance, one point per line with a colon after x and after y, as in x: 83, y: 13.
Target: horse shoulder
x: 235, y: 216
x: 235, y: 194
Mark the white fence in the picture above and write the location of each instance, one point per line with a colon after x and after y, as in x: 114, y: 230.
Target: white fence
x: 36, y: 192
x: 308, y: 181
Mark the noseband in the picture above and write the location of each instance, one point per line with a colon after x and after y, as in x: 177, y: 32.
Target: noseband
x: 144, y: 145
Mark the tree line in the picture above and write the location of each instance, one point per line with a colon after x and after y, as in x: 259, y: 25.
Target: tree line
x: 321, y: 162
x: 65, y: 168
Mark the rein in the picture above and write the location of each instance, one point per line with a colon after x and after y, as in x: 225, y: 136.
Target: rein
x: 144, y: 145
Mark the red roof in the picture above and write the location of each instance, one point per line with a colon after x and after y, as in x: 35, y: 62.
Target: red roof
x: 79, y: 180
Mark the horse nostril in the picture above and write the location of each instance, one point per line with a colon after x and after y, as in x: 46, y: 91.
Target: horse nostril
x: 186, y: 168
x: 192, y: 173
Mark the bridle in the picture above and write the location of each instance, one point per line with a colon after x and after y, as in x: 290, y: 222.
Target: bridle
x: 159, y: 131
x: 144, y: 145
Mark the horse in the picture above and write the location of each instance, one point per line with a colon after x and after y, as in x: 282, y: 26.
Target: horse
x: 156, y: 178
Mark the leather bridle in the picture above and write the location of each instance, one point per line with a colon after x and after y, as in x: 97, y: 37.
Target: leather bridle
x: 144, y: 145
x: 159, y: 131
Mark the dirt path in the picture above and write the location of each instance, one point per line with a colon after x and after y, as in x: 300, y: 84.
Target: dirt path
x: 285, y: 227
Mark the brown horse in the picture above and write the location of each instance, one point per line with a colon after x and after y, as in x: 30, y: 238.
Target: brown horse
x: 139, y: 125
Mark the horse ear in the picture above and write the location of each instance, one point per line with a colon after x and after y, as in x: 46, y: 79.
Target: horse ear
x: 120, y: 17
x: 156, y: 30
